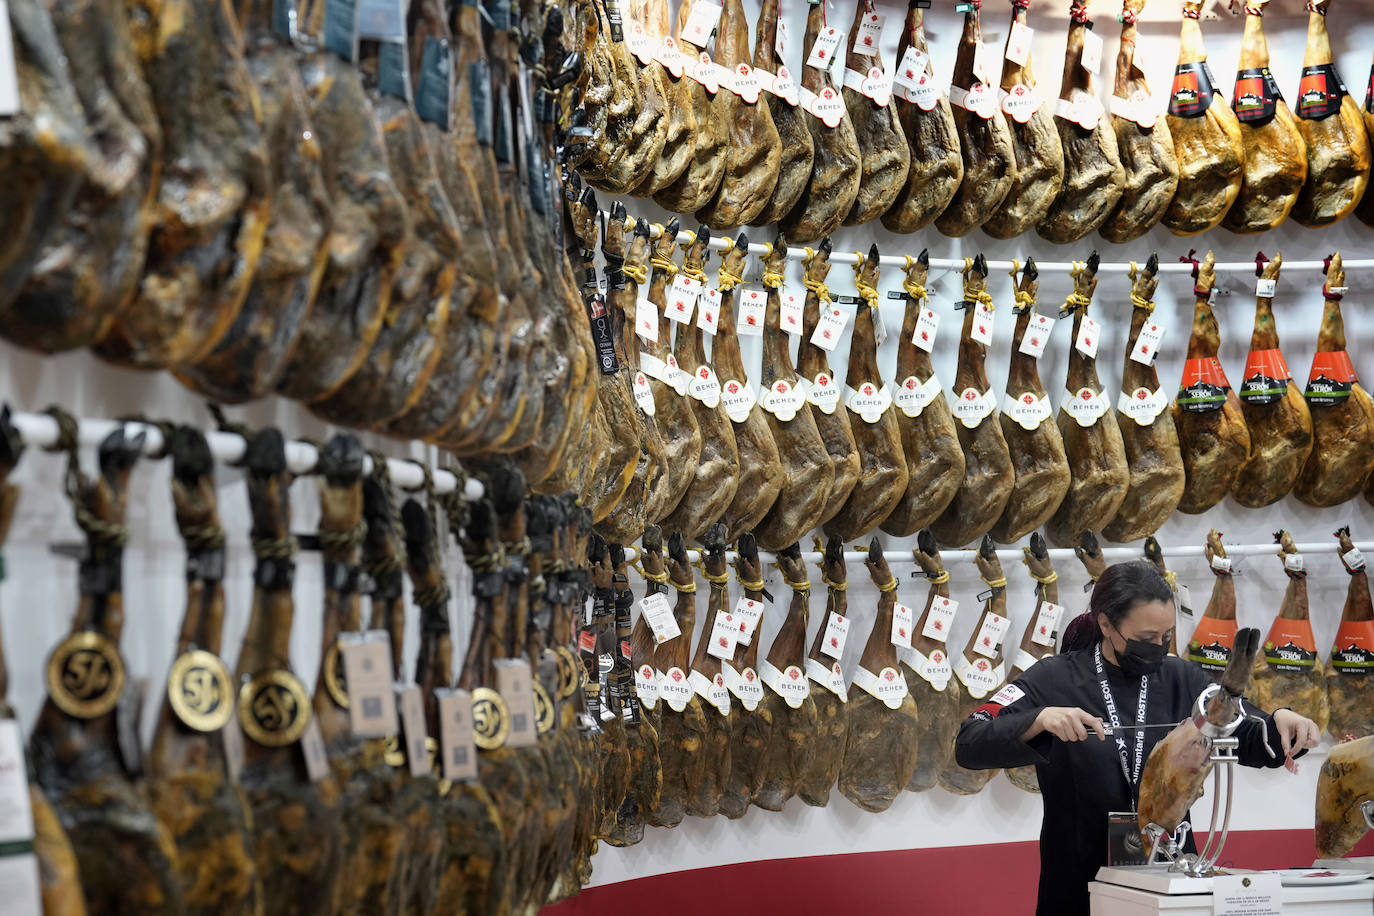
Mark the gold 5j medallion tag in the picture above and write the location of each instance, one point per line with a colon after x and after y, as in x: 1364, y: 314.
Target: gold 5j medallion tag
x: 543, y: 709
x: 567, y: 672
x: 490, y: 719
x: 335, y: 682
x: 274, y: 708
x: 200, y: 691
x: 85, y: 675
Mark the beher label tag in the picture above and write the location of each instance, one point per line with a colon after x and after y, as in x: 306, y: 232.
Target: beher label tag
x: 367, y: 667
x: 513, y: 683
x: 459, y: 760
x: 836, y: 634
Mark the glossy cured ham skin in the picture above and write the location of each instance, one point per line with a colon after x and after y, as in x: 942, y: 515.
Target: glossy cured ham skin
x: 1221, y: 606
x: 1346, y: 782
x: 1350, y: 693
x: 937, y: 701
x: 886, y: 158
x: 1304, y: 692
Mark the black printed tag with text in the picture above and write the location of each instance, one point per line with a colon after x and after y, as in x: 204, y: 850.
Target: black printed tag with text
x: 601, y: 334
x: 1192, y: 91
x: 1320, y: 91
x: 434, y: 95
x: 1256, y: 96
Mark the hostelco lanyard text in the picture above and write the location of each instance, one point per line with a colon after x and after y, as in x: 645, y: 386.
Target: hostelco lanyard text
x: 1132, y: 778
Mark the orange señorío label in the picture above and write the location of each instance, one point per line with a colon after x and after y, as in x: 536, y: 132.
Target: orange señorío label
x: 1212, y: 643
x: 1290, y: 646
x: 1203, y: 386
x: 1266, y: 377
x: 1331, y: 378
x: 1353, y: 650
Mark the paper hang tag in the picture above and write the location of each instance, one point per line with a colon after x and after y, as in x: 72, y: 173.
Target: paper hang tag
x: 784, y: 86
x: 705, y: 72
x: 18, y: 862
x: 675, y: 688
x: 1085, y: 406
x: 1020, y: 103
x: 831, y: 678
x: 971, y: 408
x: 830, y: 328
x: 1265, y: 287
x: 1019, y: 43
x: 1047, y: 623
x: 410, y: 701
x: 888, y: 685
x: 791, y: 684
x: 753, y: 307
x: 313, y: 750
x: 1087, y: 339
x: 745, y: 83
x: 783, y: 400
x: 514, y: 683
x: 791, y: 316
x: 824, y: 392
x: 1027, y: 409
x: 232, y: 735
x: 879, y: 325
x: 911, y: 69
x: 913, y: 81
x: 705, y: 387
x: 708, y: 311
x: 903, y: 621
x: 1092, y: 52
x: 457, y: 750
x: 745, y: 685
x: 980, y: 677
x: 682, y: 298
x: 990, y: 634
x: 1142, y: 405
x: 987, y: 64
x: 367, y: 668
x: 780, y: 40
x: 828, y: 106
x: 874, y: 85
x: 823, y: 51
x: 868, y: 40
x: 912, y: 395
x: 725, y: 632
x: 836, y: 633
x: 9, y: 75
x: 934, y: 670
x: 646, y: 686
x: 749, y: 612
x: 658, y: 613
x: 673, y: 58
x: 927, y: 323
x: 382, y: 20
x: 646, y: 320
x: 1353, y: 558
x: 1083, y: 110
x: 940, y: 618
x: 701, y: 22
x: 982, y: 323
x: 978, y: 99
x: 640, y: 44
x: 1037, y: 335
x: 1147, y: 343
x: 737, y: 397
x: 1184, y: 599
x: 644, y: 395
x: 1139, y: 107
x: 870, y: 401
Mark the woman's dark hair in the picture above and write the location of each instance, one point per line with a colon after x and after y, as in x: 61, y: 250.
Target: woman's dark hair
x: 1120, y: 588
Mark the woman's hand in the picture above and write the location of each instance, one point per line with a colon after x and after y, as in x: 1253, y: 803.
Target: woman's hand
x: 1067, y: 723
x: 1296, y: 733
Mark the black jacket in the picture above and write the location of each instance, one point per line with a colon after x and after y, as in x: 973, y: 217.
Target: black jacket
x: 1082, y: 781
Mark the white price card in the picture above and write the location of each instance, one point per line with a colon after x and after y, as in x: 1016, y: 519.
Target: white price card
x: 682, y: 298
x: 1047, y: 623
x: 658, y: 613
x: 927, y: 323
x: 823, y: 52
x: 1265, y: 287
x: 367, y: 668
x: 990, y: 634
x: 1092, y: 51
x: 708, y: 311
x: 9, y: 76
x: 750, y: 612
x: 1353, y: 558
x: 1147, y: 343
x: 646, y: 320
x: 1247, y: 895
x: 725, y: 632
x: 753, y: 308
x: 1086, y: 342
x: 836, y: 633
x: 1019, y: 43
x: 458, y: 760
x: 701, y: 22
x: 1037, y: 335
x: 867, y: 40
x: 903, y: 620
x: 830, y: 328
x: 982, y: 323
x: 940, y: 618
x: 792, y: 312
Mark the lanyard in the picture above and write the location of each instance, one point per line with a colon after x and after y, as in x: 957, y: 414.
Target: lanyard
x: 1131, y: 780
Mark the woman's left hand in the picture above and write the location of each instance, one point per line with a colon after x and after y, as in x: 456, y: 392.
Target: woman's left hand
x: 1296, y: 732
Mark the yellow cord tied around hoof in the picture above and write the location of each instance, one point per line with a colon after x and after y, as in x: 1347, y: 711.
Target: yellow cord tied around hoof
x: 727, y: 279
x: 970, y: 295
x: 663, y: 264
x: 999, y: 582
x: 1045, y: 580
x: 910, y: 286
x: 636, y: 272
x: 1137, y: 301
x: 941, y: 579
x: 750, y: 585
x: 891, y: 586
x: 816, y: 286
x: 832, y: 585
x: 1077, y: 300
x: 688, y: 589
x: 658, y: 578
x: 869, y: 293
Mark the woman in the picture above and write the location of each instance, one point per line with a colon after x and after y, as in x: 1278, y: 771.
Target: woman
x: 1053, y: 717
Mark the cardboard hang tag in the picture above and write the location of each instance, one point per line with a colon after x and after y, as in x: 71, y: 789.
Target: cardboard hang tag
x: 792, y: 314
x: 701, y: 22
x: 868, y: 40
x: 312, y: 749
x: 1147, y: 343
x: 903, y: 620
x: 726, y: 630
x: 1088, y: 336
x: 982, y: 323
x: 753, y: 306
x: 1037, y: 335
x: 9, y: 74
x: 1092, y: 51
x: 646, y: 320
x: 367, y: 668
x: 658, y: 613
x: 410, y: 702
x: 836, y: 634
x: 682, y: 298
x: 515, y: 684
x: 830, y: 328
x: 824, y: 50
x: 708, y: 311
x: 458, y: 751
x: 1019, y: 43
x: 927, y: 323
x: 990, y: 634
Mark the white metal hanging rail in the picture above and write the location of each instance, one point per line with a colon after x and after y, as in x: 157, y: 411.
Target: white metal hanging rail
x: 720, y: 242
x: 40, y: 431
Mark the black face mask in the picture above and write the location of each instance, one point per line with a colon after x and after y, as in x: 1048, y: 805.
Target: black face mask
x: 1140, y: 657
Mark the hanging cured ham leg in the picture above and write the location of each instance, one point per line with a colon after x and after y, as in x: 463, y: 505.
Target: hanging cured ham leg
x: 886, y: 158
x: 827, y: 683
x: 1207, y: 137
x: 1365, y: 210
x: 798, y: 149
x: 1287, y: 672
x: 1146, y: 424
x: 928, y: 672
x: 1211, y: 646
x: 751, y: 725
x: 1034, y: 136
x: 1092, y: 438
x: 984, y: 140
x: 1033, y: 439
x: 937, y: 166
x: 714, y: 112
x: 1329, y: 119
x: 1040, y: 635
x: 1276, y: 414
x: 930, y: 441
x: 883, y: 472
x: 836, y: 169
x: 1093, y: 174
x: 1211, y: 427
x: 1275, y: 152
x: 1342, y: 412
x: 679, y: 141
x: 706, y: 784
x: 1143, y: 141
x: 1345, y: 790
x: 1349, y: 682
x: 989, y: 474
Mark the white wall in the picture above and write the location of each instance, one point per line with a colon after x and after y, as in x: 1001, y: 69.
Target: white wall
x: 37, y: 600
